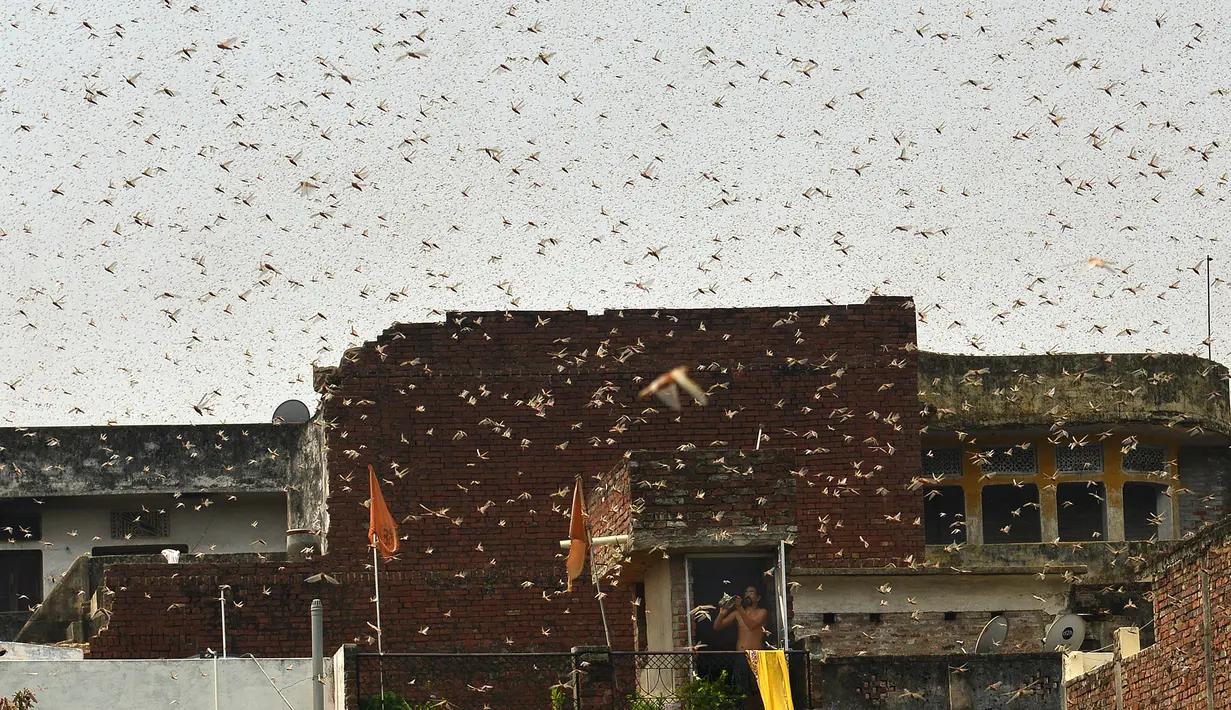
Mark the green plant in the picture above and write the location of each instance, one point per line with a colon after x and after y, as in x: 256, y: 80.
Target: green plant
x: 707, y: 694
x: 558, y: 700
x: 700, y: 694
x: 23, y: 700
x: 388, y: 701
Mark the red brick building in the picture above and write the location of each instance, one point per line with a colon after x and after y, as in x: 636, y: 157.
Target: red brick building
x: 1189, y: 665
x: 477, y: 427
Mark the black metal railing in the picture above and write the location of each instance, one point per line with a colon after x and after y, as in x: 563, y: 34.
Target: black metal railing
x: 704, y: 680
x: 581, y: 679
x: 467, y: 681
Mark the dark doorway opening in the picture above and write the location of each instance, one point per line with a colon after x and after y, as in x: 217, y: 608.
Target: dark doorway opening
x: 112, y: 550
x: 711, y: 578
x: 21, y: 579
x: 714, y: 576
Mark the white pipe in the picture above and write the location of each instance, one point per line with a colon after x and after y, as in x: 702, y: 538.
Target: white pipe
x: 318, y: 655
x: 215, y: 681
x: 380, y: 634
x: 380, y: 648
x: 222, y: 600
x: 688, y: 606
x: 784, y: 642
x: 600, y: 541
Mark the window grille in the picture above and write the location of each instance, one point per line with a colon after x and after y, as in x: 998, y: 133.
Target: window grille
x: 128, y: 524
x: 1010, y: 460
x: 1079, y: 459
x: 1146, y: 459
x: 942, y: 462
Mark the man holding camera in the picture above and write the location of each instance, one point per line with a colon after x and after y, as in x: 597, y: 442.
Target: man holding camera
x: 746, y: 612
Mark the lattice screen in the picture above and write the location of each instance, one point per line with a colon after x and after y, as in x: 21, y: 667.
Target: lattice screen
x: 1079, y: 459
x: 128, y: 524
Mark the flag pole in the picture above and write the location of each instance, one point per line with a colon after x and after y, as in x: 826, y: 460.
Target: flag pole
x: 602, y: 610
x: 376, y: 580
x: 380, y: 630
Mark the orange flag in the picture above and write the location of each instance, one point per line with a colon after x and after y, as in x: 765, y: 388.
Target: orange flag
x: 577, y: 536
x: 382, y: 526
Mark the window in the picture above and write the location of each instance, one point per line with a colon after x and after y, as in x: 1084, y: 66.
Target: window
x: 942, y: 462
x: 1020, y: 460
x: 19, y: 522
x: 106, y: 550
x: 1147, y: 511
x: 1081, y: 511
x: 1146, y: 458
x: 950, y: 616
x: 1071, y: 458
x: 21, y: 579
x: 128, y: 524
x: 874, y: 618
x: 1011, y: 514
x: 944, y: 515
x: 829, y: 618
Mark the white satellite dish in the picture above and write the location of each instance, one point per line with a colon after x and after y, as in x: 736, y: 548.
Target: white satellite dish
x: 292, y: 411
x: 993, y: 635
x: 1065, y: 634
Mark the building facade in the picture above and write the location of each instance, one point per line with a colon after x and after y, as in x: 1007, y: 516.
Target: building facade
x: 885, y: 502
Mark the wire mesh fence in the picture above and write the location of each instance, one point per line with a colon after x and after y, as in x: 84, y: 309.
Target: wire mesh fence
x: 583, y: 679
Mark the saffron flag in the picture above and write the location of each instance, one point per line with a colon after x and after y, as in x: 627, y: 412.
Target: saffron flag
x: 382, y: 529
x: 577, y: 537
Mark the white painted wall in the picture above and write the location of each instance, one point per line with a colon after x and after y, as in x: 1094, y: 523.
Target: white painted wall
x: 225, y: 526
x: 753, y: 117
x: 931, y: 593
x: 659, y: 606
x: 14, y: 651
x: 181, y: 684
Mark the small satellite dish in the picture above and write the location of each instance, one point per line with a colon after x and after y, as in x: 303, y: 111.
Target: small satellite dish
x: 292, y: 411
x: 1065, y: 634
x: 993, y: 635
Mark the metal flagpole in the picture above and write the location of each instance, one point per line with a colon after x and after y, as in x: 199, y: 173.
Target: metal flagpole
x: 376, y: 580
x: 222, y: 604
x: 1209, y: 331
x: 380, y: 631
x: 594, y: 575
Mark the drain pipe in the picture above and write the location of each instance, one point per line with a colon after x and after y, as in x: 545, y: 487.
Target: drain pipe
x: 318, y: 655
x: 222, y: 603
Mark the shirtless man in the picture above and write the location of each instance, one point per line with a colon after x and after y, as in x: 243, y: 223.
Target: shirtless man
x: 749, y: 616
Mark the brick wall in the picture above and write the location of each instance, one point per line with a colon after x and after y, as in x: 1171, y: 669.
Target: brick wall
x: 1188, y: 665
x: 712, y: 499
x: 1023, y: 681
x: 925, y: 633
x: 478, y: 425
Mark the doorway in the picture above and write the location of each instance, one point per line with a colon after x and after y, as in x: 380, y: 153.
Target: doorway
x: 713, y: 576
x: 21, y: 579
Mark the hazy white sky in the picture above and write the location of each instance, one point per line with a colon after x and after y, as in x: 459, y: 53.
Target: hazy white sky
x: 214, y: 196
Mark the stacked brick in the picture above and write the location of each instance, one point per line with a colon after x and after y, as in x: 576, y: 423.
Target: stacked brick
x: 1192, y: 601
x: 477, y: 427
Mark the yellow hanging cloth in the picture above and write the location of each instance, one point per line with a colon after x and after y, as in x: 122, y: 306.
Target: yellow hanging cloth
x: 769, y: 668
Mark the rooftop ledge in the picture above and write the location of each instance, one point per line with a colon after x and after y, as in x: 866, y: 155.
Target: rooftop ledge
x: 931, y: 570
x: 1037, y: 391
